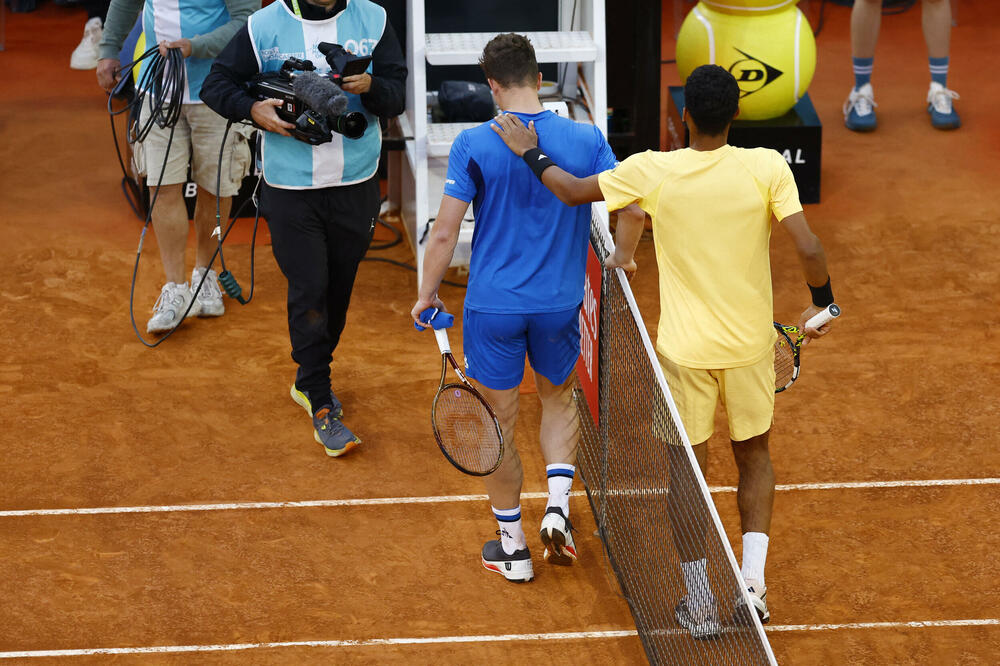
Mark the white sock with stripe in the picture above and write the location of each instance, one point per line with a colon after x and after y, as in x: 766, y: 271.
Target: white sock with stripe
x: 560, y: 481
x: 511, y: 533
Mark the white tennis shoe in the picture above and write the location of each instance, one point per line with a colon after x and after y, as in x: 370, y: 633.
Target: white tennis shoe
x: 168, y: 311
x: 85, y: 55
x: 557, y: 535
x: 210, y: 295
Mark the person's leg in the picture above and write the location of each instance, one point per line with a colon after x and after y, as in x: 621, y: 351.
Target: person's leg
x: 695, y: 393
x: 866, y: 19
x: 936, y: 19
x: 755, y: 499
x: 353, y: 210
x: 859, y: 109
x: 208, y: 129
x: 204, y: 224
x: 748, y: 393
x: 298, y: 242
x: 494, y: 346
x: 559, y: 437
x: 170, y: 222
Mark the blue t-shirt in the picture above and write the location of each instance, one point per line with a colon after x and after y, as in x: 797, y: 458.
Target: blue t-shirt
x: 529, y: 250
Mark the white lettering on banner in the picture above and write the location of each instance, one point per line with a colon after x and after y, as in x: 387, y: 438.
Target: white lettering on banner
x: 190, y: 190
x: 588, y: 327
x: 360, y: 47
x: 787, y: 154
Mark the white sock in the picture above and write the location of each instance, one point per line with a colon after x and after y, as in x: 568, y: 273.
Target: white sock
x: 696, y: 579
x: 511, y: 533
x: 754, y: 556
x: 560, y: 481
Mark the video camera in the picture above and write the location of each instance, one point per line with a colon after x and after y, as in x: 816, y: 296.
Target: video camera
x: 310, y: 101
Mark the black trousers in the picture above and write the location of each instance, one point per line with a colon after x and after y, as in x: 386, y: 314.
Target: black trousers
x: 318, y: 238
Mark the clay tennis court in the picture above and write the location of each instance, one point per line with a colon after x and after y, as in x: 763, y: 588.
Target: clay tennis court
x: 143, y: 493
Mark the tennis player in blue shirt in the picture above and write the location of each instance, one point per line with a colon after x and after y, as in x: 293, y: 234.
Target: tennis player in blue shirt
x: 526, y: 277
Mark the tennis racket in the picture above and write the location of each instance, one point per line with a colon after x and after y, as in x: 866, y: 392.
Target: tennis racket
x: 465, y: 427
x: 787, y: 347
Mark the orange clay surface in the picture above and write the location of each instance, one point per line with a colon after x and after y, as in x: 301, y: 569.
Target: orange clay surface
x: 905, y: 388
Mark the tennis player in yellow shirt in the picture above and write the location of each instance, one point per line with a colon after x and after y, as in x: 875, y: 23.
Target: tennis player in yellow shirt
x: 712, y: 205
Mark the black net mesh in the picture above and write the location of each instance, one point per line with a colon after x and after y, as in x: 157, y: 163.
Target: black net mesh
x: 649, y: 505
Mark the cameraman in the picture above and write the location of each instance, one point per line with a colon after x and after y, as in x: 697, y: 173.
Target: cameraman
x: 321, y: 202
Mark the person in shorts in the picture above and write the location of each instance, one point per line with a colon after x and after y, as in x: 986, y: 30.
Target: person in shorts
x: 712, y: 207
x: 526, y: 283
x: 200, y: 29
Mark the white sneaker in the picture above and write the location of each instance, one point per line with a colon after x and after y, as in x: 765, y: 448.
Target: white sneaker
x: 557, y: 535
x: 758, y: 601
x: 859, y: 109
x: 940, y: 107
x: 210, y: 295
x: 85, y: 54
x: 168, y: 311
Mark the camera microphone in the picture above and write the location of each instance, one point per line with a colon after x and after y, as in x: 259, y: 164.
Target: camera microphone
x: 319, y: 93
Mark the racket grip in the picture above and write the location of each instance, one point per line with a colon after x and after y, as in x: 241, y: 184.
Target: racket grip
x: 441, y: 335
x: 830, y: 313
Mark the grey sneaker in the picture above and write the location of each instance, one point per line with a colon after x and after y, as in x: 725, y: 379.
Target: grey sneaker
x: 515, y: 567
x: 169, y: 309
x: 701, y: 623
x: 335, y: 437
x: 210, y: 295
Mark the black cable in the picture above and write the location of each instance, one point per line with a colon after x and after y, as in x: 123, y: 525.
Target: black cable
x: 411, y: 268
x: 397, y: 235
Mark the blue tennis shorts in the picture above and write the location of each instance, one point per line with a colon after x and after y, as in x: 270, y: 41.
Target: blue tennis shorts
x: 495, y: 345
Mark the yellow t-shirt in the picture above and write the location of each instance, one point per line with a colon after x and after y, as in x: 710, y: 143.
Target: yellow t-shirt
x: 711, y: 215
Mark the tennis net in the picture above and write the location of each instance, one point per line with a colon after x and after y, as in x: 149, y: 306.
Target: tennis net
x: 653, y: 509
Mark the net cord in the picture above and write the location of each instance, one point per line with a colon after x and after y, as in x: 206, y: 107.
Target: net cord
x: 599, y: 210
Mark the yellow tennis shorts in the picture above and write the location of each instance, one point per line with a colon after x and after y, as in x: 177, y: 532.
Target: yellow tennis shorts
x: 747, y: 394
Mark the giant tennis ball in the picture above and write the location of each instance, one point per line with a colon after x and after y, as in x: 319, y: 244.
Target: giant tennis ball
x: 750, y: 7
x: 772, y: 56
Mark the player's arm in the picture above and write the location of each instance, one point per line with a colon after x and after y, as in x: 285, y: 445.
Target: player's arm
x: 523, y: 141
x: 628, y: 230
x: 437, y: 256
x: 813, y: 260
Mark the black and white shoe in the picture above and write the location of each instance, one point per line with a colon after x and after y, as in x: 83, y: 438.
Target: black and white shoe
x: 515, y: 567
x: 557, y: 535
x: 758, y: 601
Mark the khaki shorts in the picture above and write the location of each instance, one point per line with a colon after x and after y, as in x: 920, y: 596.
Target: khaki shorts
x: 196, y: 141
x: 747, y: 394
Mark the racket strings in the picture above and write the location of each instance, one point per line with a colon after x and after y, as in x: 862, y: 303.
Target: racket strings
x: 784, y: 363
x: 466, y: 429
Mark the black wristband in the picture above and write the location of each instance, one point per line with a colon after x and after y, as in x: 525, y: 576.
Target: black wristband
x: 537, y: 161
x: 822, y: 296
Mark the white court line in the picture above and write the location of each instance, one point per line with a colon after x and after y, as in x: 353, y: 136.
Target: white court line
x: 374, y: 501
x: 572, y: 635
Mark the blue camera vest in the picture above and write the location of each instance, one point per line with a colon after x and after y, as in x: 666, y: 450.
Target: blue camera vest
x: 277, y: 34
